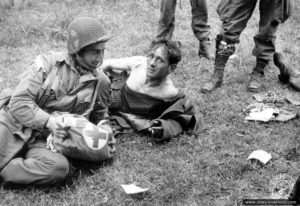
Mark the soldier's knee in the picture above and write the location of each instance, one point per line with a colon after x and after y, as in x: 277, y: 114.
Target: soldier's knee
x: 58, y: 170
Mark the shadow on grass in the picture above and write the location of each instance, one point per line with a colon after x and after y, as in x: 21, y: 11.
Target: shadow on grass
x: 81, y: 168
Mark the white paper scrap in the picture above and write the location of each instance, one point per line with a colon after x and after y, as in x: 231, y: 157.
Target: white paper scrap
x: 264, y: 116
x: 260, y: 155
x: 133, y: 189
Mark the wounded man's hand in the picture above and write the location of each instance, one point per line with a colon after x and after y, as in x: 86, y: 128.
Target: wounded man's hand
x: 156, y: 130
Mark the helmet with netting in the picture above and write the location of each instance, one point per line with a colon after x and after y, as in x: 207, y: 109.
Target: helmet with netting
x: 84, y: 31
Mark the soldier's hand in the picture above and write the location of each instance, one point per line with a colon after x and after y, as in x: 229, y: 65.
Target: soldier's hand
x: 57, y: 127
x: 105, y: 124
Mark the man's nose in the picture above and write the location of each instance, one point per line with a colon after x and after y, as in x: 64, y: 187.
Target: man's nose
x: 152, y: 62
x: 100, y: 57
x: 99, y: 60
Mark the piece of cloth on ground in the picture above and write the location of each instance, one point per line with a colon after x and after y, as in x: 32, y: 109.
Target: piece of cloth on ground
x: 269, y: 107
x: 293, y: 97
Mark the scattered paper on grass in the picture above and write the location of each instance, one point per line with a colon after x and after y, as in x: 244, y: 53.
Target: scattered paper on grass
x: 260, y: 155
x: 285, y: 115
x: 133, y: 189
x: 293, y: 98
x: 265, y: 113
x: 269, y: 97
x: 258, y: 97
x: 264, y: 116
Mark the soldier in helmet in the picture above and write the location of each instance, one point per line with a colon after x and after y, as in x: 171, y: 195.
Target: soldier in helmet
x: 25, y: 123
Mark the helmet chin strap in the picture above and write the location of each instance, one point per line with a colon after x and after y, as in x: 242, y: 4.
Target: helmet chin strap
x: 84, y: 66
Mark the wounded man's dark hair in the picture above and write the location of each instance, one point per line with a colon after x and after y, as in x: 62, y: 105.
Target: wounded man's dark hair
x: 172, y: 48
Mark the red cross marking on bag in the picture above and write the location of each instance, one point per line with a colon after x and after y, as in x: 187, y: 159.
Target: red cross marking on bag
x: 96, y: 135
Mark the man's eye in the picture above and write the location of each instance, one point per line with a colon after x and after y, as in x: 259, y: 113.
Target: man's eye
x: 94, y: 52
x: 98, y: 52
x: 159, y: 60
x: 150, y: 55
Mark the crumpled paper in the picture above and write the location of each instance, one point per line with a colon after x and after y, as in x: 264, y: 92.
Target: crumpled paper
x: 265, y: 113
x: 260, y: 112
x: 293, y: 98
x: 264, y: 116
x: 268, y: 97
x: 285, y: 115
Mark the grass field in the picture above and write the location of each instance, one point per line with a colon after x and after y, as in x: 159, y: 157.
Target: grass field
x: 209, y: 168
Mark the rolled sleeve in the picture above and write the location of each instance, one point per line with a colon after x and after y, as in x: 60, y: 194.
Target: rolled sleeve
x: 171, y: 128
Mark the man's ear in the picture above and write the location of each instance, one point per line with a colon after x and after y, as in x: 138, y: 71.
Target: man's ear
x: 172, y: 67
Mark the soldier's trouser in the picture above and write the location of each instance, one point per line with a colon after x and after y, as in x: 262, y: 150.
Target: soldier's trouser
x: 235, y: 15
x: 199, y: 19
x: 39, y: 166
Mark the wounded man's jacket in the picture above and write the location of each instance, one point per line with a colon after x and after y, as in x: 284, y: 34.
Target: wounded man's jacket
x: 179, y: 116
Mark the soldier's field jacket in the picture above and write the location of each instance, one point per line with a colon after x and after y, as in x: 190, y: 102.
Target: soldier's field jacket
x: 70, y: 92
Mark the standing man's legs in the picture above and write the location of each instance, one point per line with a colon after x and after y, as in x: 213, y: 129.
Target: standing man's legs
x: 166, y: 22
x: 264, y: 43
x: 39, y: 167
x: 200, y: 27
x: 235, y: 15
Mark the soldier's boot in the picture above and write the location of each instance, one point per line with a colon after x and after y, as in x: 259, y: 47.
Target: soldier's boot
x: 205, y: 49
x: 223, y: 52
x: 295, y: 192
x: 279, y: 61
x: 287, y: 74
x: 257, y: 75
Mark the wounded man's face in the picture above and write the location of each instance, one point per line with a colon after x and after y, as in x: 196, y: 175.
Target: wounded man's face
x: 158, y: 66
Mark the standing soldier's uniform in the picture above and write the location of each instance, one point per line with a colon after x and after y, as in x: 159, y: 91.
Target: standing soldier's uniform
x: 200, y: 25
x: 235, y: 15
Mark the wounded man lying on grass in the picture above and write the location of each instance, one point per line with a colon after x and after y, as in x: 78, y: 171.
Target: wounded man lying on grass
x: 149, y: 101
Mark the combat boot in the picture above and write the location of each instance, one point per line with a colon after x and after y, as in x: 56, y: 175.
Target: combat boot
x: 257, y: 76
x: 223, y: 52
x: 287, y: 74
x: 205, y: 49
x: 279, y: 61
